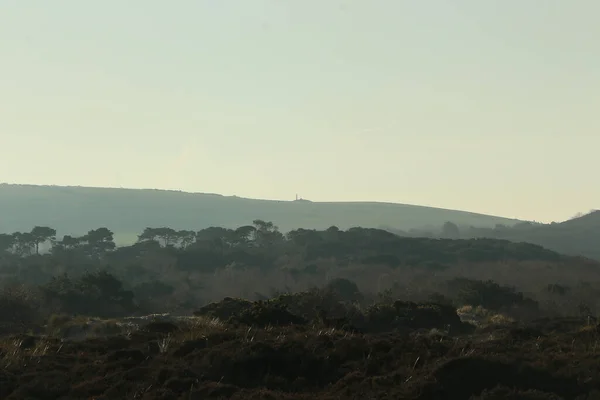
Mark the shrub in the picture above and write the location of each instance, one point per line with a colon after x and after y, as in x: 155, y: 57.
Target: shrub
x: 488, y: 294
x: 345, y: 289
x: 99, y: 294
x: 19, y: 306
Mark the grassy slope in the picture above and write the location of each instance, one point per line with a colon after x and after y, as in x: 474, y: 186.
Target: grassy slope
x: 580, y: 236
x: 127, y: 211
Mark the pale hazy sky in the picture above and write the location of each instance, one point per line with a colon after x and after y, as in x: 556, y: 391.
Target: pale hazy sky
x: 488, y: 106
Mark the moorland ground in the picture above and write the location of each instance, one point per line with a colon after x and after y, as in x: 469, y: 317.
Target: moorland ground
x: 250, y: 313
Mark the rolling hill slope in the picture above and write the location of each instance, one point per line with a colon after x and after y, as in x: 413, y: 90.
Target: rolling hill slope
x: 75, y: 210
x: 579, y: 236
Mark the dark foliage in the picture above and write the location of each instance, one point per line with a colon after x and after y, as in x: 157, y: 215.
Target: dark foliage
x: 99, y: 294
x: 488, y: 294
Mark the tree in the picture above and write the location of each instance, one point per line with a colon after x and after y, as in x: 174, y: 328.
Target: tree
x: 266, y: 233
x: 186, y: 238
x: 6, y: 242
x: 243, y: 235
x: 450, y: 230
x: 216, y: 237
x: 168, y: 236
x: 332, y: 233
x: 23, y: 243
x: 70, y: 242
x: 345, y: 289
x: 42, y: 234
x: 149, y: 234
x: 99, y: 241
x: 305, y: 237
x: 99, y: 293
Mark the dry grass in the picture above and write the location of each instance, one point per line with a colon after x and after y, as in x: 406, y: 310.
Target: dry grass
x: 13, y: 352
x: 479, y: 316
x: 199, y: 327
x: 499, y: 319
x: 64, y: 326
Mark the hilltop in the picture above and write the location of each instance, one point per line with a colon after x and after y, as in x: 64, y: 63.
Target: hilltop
x: 75, y: 210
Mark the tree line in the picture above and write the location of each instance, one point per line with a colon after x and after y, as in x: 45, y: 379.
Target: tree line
x: 261, y: 243
x: 97, y: 242
x: 177, y: 268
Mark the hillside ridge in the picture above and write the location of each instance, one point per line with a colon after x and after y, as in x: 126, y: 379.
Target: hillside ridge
x: 76, y: 209
x: 300, y: 201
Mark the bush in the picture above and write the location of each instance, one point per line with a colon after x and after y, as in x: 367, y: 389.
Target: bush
x: 408, y: 316
x: 19, y: 307
x: 345, y: 289
x: 224, y: 309
x: 488, y: 294
x: 264, y: 313
x: 99, y: 294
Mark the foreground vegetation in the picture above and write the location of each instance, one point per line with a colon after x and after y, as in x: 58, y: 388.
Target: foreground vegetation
x: 251, y: 313
x: 314, y: 344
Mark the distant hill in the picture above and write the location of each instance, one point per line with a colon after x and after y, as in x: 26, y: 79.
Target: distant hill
x: 75, y: 210
x: 578, y: 236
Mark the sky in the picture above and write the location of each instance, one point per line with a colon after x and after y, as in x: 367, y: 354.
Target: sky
x: 486, y: 106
